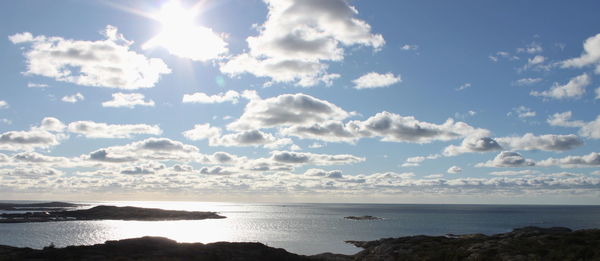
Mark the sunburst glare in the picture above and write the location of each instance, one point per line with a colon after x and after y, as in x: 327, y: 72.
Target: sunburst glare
x: 181, y: 36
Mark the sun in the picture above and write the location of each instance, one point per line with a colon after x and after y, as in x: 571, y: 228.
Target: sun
x: 181, y: 36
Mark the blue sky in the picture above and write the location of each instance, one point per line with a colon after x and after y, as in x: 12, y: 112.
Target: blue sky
x: 301, y: 100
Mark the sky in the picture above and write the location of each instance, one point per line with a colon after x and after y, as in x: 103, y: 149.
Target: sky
x: 464, y: 101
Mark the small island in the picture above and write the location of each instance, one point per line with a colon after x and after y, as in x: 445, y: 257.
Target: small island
x: 107, y: 213
x: 37, y: 206
x: 363, y: 218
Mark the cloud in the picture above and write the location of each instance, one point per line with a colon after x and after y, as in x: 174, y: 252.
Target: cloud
x: 531, y: 48
x: 575, y: 88
x: 73, y: 98
x: 507, y: 159
x: 249, y: 138
x: 473, y: 143
x: 37, y: 85
x: 298, y: 36
x: 91, y: 129
x: 597, y: 93
x: 27, y: 140
x: 148, y: 149
x: 127, y: 100
x: 105, y: 63
x: 409, y: 47
x: 200, y: 97
x: 286, y: 110
x: 586, y: 161
x: 30, y: 172
x: 587, y: 129
x: 549, y: 142
x: 376, y: 80
x: 514, y: 172
x: 464, y: 86
x: 590, y: 55
x: 34, y: 157
x: 289, y: 157
x: 202, y: 131
x: 523, y: 112
x: 3, y: 104
x: 416, y: 161
x: 332, y: 174
x: 454, y: 170
x: 51, y: 124
x: 527, y: 81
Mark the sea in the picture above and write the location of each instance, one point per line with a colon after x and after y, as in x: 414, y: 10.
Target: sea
x: 302, y: 228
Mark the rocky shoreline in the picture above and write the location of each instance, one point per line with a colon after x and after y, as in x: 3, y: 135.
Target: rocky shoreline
x: 107, y: 213
x: 529, y: 243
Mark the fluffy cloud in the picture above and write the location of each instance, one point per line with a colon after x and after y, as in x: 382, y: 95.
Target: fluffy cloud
x: 285, y: 110
x: 590, y: 56
x: 590, y: 160
x: 531, y: 48
x: 507, y: 159
x: 297, y: 37
x: 92, y: 129
x: 547, y: 142
x: 376, y: 80
x: 200, y: 97
x: 201, y: 132
x: 51, y: 124
x: 243, y: 138
x: 464, y: 86
x: 28, y: 140
x: 454, y: 170
x: 527, y: 81
x: 587, y: 129
x: 575, y: 88
x: 30, y: 172
x: 105, y: 63
x: 73, y: 98
x: 127, y: 100
x: 473, y: 144
x: 289, y: 157
x: 332, y: 174
x: 416, y: 161
x: 522, y: 112
x: 3, y: 104
x: 148, y: 149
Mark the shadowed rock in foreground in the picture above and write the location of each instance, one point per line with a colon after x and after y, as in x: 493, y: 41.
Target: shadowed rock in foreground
x: 529, y: 243
x: 108, y: 212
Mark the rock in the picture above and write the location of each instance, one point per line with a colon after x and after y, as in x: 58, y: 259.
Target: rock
x: 363, y: 218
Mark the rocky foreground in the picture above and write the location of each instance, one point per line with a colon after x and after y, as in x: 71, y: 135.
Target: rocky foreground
x: 529, y: 243
x: 107, y: 213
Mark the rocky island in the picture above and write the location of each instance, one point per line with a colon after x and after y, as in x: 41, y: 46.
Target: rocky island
x: 363, y: 218
x: 107, y: 213
x: 529, y: 243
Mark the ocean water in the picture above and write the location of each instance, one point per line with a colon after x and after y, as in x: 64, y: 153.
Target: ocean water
x: 303, y: 228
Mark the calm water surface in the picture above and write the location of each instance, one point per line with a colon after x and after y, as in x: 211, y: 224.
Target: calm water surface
x: 303, y: 228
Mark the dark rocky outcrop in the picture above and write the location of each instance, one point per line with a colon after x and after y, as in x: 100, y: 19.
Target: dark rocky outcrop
x: 36, y: 206
x: 108, y: 212
x: 363, y: 218
x: 529, y: 243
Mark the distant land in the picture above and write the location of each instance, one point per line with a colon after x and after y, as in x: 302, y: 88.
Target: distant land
x: 528, y: 243
x: 37, y: 206
x: 103, y: 213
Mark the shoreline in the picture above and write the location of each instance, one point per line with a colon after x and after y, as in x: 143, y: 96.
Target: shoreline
x: 527, y: 243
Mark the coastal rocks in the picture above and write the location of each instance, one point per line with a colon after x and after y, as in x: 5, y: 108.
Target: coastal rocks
x: 528, y: 243
x: 363, y: 218
x: 154, y: 248
x: 108, y: 213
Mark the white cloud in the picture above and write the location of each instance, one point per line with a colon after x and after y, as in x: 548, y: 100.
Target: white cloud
x: 597, y: 93
x: 531, y: 48
x: 91, y: 129
x: 527, y: 81
x: 200, y: 97
x: 73, y: 98
x: 589, y: 160
x: 507, y: 159
x: 3, y: 104
x: 298, y: 36
x: 376, y: 80
x: 409, y: 47
x: 127, y: 100
x: 148, y: 149
x: 417, y: 160
x: 547, y: 142
x: 575, y: 88
x: 28, y: 140
x: 332, y: 174
x: 286, y: 110
x: 202, y: 131
x: 475, y: 143
x: 514, y: 172
x: 105, y: 63
x: 51, y: 124
x: 523, y: 112
x: 464, y: 86
x: 36, y: 85
x: 590, y: 55
x: 290, y: 157
x: 454, y: 170
x: 181, y: 37
x: 587, y: 129
x: 538, y: 59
